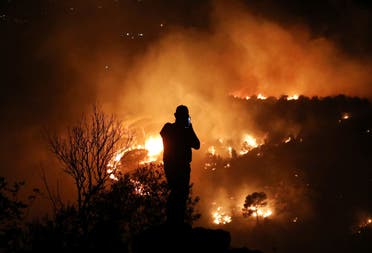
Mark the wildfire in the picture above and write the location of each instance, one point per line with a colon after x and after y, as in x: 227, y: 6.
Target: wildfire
x: 293, y: 97
x: 212, y: 150
x: 249, y: 143
x: 260, y: 96
x: 263, y: 97
x: 115, y: 161
x: 230, y: 149
x: 220, y: 217
x: 261, y: 212
x: 154, y: 147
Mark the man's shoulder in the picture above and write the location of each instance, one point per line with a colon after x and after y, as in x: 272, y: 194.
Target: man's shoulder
x: 167, y: 126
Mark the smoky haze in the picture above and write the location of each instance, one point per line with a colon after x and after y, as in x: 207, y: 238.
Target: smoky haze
x: 241, y: 55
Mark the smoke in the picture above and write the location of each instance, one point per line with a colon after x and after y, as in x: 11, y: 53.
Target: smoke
x: 242, y: 54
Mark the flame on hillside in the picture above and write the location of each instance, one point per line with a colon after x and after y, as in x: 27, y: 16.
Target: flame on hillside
x: 219, y: 216
x: 242, y: 147
x: 249, y: 143
x: 293, y: 97
x: 261, y: 212
x: 153, y: 146
x: 260, y: 96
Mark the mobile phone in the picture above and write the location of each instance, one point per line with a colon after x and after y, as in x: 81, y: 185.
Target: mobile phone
x: 188, y: 122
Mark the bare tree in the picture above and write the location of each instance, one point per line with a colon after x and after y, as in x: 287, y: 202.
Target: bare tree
x: 86, y: 150
x: 253, y: 202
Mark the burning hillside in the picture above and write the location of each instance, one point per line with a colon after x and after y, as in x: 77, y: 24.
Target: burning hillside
x: 301, y: 153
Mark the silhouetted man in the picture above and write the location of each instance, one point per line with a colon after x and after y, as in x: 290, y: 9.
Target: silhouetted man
x: 178, y: 139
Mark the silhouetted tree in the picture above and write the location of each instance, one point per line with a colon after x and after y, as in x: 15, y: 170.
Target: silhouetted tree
x: 253, y: 202
x: 12, y: 212
x: 85, y: 152
x: 136, y: 202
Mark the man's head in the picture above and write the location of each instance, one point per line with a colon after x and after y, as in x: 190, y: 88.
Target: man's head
x: 182, y: 114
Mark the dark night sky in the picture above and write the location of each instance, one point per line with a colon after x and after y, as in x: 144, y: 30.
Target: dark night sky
x: 51, y: 50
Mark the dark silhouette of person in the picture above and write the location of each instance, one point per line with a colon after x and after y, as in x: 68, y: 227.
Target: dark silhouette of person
x: 178, y: 139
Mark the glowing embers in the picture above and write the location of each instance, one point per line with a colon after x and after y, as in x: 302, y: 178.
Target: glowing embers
x: 345, y: 116
x: 139, y: 188
x: 219, y: 216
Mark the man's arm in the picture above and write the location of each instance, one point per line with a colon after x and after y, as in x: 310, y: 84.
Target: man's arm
x: 193, y: 139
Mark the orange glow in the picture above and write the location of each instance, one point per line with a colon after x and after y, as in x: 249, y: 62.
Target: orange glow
x: 154, y: 146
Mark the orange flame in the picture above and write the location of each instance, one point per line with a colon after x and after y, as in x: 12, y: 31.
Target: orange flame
x: 293, y: 97
x: 261, y: 212
x: 220, y: 217
x: 153, y: 145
